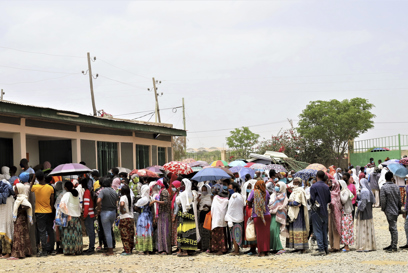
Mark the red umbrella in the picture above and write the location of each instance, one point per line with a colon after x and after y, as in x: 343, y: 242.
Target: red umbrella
x: 177, y: 167
x: 249, y: 164
x: 144, y: 173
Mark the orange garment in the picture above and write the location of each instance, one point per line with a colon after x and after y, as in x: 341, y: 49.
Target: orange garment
x: 332, y: 170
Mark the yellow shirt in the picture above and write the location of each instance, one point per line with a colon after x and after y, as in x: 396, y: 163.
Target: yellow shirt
x: 42, y: 198
x: 96, y: 185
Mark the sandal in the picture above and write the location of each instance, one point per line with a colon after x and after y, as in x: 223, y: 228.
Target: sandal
x: 280, y: 252
x: 12, y: 259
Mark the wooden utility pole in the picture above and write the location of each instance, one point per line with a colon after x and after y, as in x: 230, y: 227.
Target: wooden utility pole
x: 184, y: 116
x: 91, y: 84
x: 2, y: 93
x: 157, y: 111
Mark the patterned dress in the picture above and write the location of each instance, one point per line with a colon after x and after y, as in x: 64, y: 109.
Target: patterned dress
x: 144, y: 230
x: 186, y: 230
x: 72, y: 237
x: 347, y: 227
x: 21, y: 238
x: 127, y: 234
x: 298, y: 235
x: 218, y: 240
x: 164, y: 223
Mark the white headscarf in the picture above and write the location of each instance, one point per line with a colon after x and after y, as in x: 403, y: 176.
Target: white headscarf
x: 244, y: 188
x: 186, y: 197
x: 205, y: 199
x: 145, y: 194
x: 235, y: 212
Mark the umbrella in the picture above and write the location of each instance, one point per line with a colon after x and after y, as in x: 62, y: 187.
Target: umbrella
x: 245, y: 171
x: 155, y: 169
x: 228, y: 171
x: 143, y: 173
x: 210, y: 174
x: 70, y: 169
x: 236, y: 169
x: 258, y: 167
x: 249, y: 164
x: 317, y: 167
x: 276, y: 167
x: 237, y: 163
x: 123, y: 170
x: 306, y: 174
x: 379, y: 149
x: 391, y: 161
x: 198, y: 164
x: 219, y: 163
x: 398, y: 170
x: 177, y: 167
x: 188, y: 160
x: 196, y: 169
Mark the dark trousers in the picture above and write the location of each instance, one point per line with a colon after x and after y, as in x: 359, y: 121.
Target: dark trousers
x: 45, y: 222
x: 392, y: 227
x: 320, y: 230
x: 89, y: 225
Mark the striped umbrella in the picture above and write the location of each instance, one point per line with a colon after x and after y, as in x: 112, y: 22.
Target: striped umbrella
x: 219, y: 163
x: 317, y: 167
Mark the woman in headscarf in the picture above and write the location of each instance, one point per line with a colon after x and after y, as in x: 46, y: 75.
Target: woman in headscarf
x: 365, y: 234
x: 175, y: 188
x: 278, y: 210
x: 163, y: 216
x: 235, y: 217
x: 144, y: 228
x: 187, y: 232
x: 298, y: 218
x: 347, y: 226
x: 72, y: 232
x: 6, y: 217
x: 22, y: 215
x: 245, y: 192
x: 204, y: 207
x: 349, y: 180
x: 335, y: 216
x: 218, y: 224
x: 259, y: 200
x: 332, y: 171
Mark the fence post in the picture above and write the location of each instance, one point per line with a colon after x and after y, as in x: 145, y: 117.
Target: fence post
x: 399, y: 144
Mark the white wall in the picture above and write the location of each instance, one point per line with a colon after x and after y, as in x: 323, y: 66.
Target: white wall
x: 33, y: 151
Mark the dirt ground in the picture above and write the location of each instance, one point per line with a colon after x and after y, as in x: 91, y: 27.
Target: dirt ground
x: 377, y: 261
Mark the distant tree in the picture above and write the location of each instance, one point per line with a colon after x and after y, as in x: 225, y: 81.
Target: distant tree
x: 241, y: 141
x: 179, y: 147
x: 327, y: 126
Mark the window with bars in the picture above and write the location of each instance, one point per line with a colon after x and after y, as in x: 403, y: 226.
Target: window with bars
x: 161, y: 154
x: 142, y: 156
x: 107, y: 156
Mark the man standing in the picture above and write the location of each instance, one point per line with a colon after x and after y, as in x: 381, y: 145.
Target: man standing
x: 24, y: 166
x: 391, y: 205
x: 319, y: 198
x: 44, y: 199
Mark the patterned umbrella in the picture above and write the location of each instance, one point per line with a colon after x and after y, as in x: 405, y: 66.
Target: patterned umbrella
x: 177, y: 167
x: 404, y: 161
x: 317, y: 167
x: 188, y: 160
x: 237, y: 163
x: 198, y: 164
x: 144, y: 173
x: 258, y: 167
x: 306, y: 174
x: 276, y: 167
x: 219, y: 163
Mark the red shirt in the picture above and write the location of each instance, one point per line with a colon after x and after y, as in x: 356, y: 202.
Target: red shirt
x: 88, y: 205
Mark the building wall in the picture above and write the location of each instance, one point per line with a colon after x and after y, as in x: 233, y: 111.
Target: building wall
x: 25, y: 139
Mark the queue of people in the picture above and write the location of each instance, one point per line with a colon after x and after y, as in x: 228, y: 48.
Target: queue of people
x: 41, y: 216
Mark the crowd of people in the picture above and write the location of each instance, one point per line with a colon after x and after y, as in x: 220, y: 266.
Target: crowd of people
x: 47, y: 215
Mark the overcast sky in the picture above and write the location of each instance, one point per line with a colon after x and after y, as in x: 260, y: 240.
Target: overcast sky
x: 236, y: 63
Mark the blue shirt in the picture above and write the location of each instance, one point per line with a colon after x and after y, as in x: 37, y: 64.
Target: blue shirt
x: 320, y: 192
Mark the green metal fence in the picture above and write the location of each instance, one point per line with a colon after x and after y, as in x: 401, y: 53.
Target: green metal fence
x: 361, y: 151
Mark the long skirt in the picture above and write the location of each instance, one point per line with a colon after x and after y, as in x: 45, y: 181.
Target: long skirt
x: 248, y: 213
x: 334, y: 236
x: 5, y: 245
x: 205, y: 237
x: 262, y: 233
x: 174, y: 232
x: 144, y: 231
x: 186, y: 230
x: 164, y: 232
x: 72, y: 237
x: 275, y: 242
x: 365, y: 234
x: 298, y: 235
x: 21, y: 238
x: 127, y: 234
x: 237, y: 233
x: 402, y: 192
x: 218, y: 240
x: 347, y: 227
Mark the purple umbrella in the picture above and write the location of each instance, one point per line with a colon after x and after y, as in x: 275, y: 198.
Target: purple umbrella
x: 199, y: 164
x: 276, y: 167
x: 155, y: 169
x: 70, y: 169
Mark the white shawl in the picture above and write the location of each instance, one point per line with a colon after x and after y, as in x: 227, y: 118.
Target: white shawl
x: 145, y: 196
x: 22, y: 199
x: 186, y: 197
x: 218, y: 212
x: 6, y: 219
x: 70, y: 205
x: 205, y: 199
x: 235, y: 212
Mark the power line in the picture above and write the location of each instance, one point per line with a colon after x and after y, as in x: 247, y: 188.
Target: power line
x: 38, y: 80
x: 235, y: 128
x: 123, y: 69
x: 28, y: 69
x: 41, y: 53
x: 149, y: 111
x: 122, y: 82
